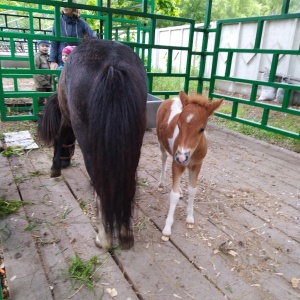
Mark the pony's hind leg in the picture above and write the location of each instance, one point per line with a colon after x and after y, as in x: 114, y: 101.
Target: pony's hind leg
x: 66, y: 135
x: 164, y: 156
x: 103, y: 238
x: 126, y: 237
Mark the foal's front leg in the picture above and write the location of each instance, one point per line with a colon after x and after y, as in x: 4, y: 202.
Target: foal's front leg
x: 164, y: 156
x: 174, y: 198
x: 192, y: 188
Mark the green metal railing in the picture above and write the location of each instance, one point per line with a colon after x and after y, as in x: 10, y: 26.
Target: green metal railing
x: 266, y: 108
x: 137, y: 29
x: 113, y: 24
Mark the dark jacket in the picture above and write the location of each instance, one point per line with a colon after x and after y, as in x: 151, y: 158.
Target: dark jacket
x: 41, y: 62
x: 69, y: 27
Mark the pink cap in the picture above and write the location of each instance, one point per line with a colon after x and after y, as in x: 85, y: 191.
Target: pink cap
x: 68, y: 49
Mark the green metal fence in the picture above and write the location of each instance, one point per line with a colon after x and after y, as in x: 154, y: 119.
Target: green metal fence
x: 134, y: 28
x: 266, y: 109
x: 137, y: 29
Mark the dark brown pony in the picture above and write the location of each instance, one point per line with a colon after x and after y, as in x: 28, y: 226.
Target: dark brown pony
x: 101, y: 102
x: 180, y: 125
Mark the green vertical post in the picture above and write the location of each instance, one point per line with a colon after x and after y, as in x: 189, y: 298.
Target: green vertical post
x: 204, y: 44
x: 273, y: 67
x: 259, y: 30
x: 189, y: 57
x: 169, y: 61
x: 31, y: 24
x: 234, y: 110
x: 145, y: 6
x: 215, y: 59
x: 285, y: 7
x: 265, y: 117
x: 228, y: 64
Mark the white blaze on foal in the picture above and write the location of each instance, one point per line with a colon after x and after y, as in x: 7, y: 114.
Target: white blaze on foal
x: 180, y: 125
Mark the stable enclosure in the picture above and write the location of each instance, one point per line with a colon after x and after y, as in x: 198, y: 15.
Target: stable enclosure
x: 226, y: 67
x: 245, y: 243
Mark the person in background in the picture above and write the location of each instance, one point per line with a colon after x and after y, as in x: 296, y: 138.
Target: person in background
x: 70, y: 26
x: 42, y: 81
x: 65, y: 54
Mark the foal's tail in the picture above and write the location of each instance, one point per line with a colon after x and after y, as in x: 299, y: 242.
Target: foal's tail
x: 49, y: 122
x: 116, y: 130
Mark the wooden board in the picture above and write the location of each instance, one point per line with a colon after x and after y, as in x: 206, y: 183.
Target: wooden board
x: 247, y: 203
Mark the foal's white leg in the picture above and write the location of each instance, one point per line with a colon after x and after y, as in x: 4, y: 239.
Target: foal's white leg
x: 174, y: 198
x: 190, y: 207
x: 192, y: 188
x: 164, y: 156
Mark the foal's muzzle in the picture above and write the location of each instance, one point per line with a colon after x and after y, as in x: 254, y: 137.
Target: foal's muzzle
x: 182, y: 158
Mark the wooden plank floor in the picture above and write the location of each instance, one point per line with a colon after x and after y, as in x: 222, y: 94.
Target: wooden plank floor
x: 245, y: 244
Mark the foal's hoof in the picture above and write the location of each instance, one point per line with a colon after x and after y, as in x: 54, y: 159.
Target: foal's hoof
x: 55, y: 173
x: 190, y: 225
x: 165, y: 238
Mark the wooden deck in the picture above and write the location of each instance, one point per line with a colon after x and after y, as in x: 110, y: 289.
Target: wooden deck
x: 245, y: 245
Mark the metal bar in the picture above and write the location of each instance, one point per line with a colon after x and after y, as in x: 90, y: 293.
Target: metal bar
x: 258, y: 36
x: 285, y: 7
x: 228, y: 63
x: 265, y: 116
x: 215, y: 60
x: 273, y: 69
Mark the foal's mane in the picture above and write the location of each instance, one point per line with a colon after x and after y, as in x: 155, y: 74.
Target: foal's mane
x: 198, y: 99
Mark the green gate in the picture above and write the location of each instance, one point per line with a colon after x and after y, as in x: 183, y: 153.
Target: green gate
x: 137, y: 29
x: 287, y: 87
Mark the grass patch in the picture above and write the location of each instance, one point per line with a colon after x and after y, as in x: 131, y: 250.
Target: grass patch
x: 10, y: 206
x: 83, y: 272
x: 10, y: 150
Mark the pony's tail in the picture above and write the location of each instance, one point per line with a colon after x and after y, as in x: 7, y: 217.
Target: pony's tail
x: 49, y: 122
x: 118, y: 122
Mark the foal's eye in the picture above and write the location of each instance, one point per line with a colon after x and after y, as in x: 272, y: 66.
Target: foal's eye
x: 201, y: 130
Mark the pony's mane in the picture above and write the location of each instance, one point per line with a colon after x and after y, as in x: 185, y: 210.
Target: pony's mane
x: 198, y: 99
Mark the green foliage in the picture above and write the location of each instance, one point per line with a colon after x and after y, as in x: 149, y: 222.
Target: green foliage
x: 83, y: 272
x: 9, y: 206
x: 226, y: 9
x: 10, y: 150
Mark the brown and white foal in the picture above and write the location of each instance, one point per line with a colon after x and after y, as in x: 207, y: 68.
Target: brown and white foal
x: 180, y: 125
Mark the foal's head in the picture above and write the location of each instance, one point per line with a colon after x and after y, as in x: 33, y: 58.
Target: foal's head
x: 191, y: 124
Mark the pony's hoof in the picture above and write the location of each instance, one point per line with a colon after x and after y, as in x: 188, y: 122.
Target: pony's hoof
x: 160, y: 188
x: 165, y: 238
x: 65, y: 163
x: 190, y: 225
x: 106, y: 245
x: 55, y: 173
x: 126, y: 244
x: 126, y: 238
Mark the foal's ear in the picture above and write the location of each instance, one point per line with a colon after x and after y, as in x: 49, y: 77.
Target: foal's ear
x: 213, y: 106
x: 183, y: 98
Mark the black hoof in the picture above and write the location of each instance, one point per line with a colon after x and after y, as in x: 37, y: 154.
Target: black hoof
x: 65, y: 163
x: 55, y: 173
